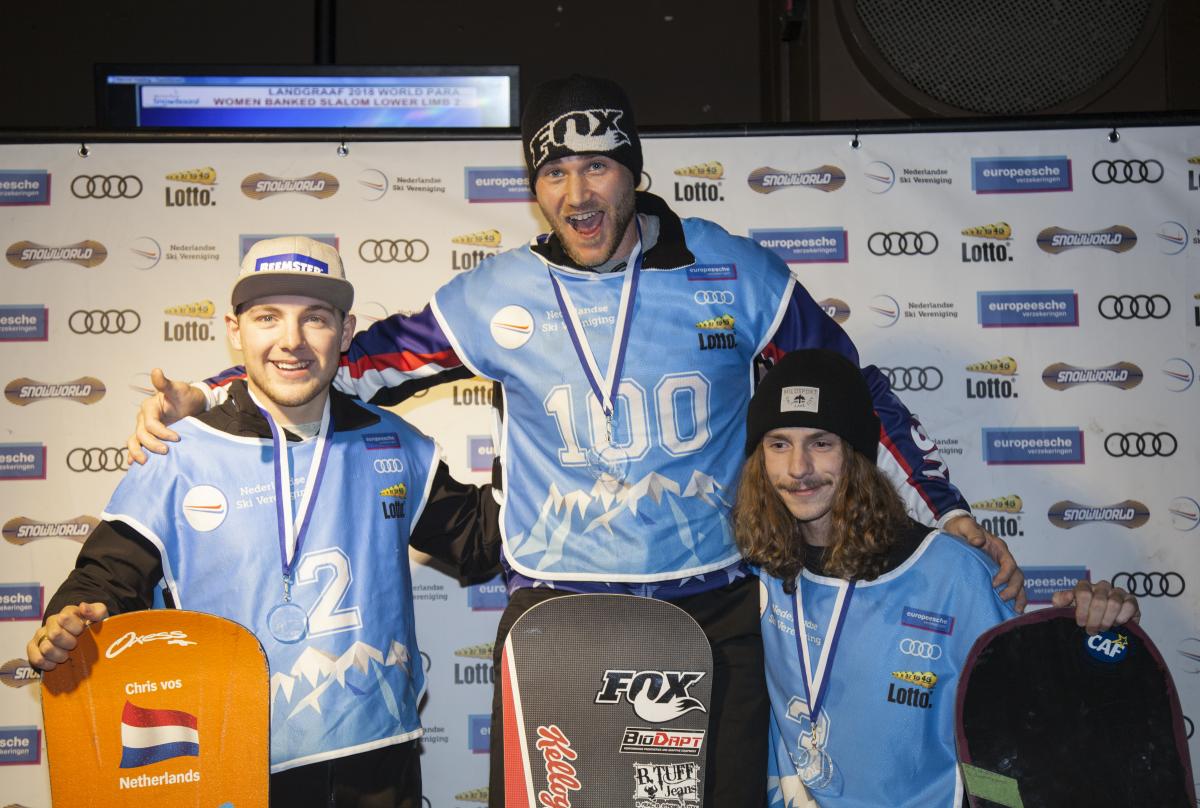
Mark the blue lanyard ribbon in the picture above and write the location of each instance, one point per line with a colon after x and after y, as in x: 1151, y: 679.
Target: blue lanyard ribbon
x: 293, y: 530
x: 816, y: 683
x: 604, y: 387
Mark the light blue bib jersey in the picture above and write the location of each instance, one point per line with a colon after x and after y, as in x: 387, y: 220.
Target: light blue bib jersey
x: 353, y: 683
x: 884, y: 734
x: 679, y: 416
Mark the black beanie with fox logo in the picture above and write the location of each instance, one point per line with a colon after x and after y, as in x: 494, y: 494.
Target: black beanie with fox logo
x: 580, y: 115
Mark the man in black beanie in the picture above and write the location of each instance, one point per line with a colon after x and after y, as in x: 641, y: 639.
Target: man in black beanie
x: 867, y: 615
x: 618, y: 378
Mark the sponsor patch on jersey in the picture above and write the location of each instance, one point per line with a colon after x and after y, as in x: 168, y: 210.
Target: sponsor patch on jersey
x: 712, y: 272
x: 929, y: 621
x: 925, y: 679
x: 205, y: 508
x: 511, y: 327
x: 375, y: 441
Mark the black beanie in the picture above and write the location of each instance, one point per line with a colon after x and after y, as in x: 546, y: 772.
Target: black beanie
x: 817, y: 389
x: 580, y: 115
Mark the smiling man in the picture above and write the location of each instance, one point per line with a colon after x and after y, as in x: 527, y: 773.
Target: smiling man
x: 326, y: 576
x: 867, y: 616
x: 623, y: 393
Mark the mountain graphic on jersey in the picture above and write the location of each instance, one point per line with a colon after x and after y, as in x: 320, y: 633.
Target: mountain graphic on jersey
x: 359, y: 670
x: 151, y: 736
x: 653, y: 498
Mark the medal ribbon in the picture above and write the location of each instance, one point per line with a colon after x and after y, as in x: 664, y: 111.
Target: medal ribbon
x: 815, y: 686
x: 603, y: 387
x: 292, y: 530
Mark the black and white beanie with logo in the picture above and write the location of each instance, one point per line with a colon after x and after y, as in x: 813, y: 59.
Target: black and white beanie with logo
x: 580, y: 115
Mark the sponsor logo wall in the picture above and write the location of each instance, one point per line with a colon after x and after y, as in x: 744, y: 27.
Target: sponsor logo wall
x: 1033, y: 296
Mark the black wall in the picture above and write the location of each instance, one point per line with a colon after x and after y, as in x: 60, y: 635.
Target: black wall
x: 684, y: 62
x: 693, y: 62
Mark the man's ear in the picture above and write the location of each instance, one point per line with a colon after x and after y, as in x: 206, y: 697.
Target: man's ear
x: 349, y: 324
x: 233, y: 331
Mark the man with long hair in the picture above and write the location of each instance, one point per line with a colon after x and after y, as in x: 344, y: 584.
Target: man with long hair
x: 867, y: 615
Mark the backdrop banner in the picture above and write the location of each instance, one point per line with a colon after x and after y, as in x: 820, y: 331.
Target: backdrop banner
x: 1034, y: 296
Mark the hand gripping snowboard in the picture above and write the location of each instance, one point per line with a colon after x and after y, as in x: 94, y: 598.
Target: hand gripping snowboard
x: 605, y: 705
x: 1049, y: 716
x: 159, y: 708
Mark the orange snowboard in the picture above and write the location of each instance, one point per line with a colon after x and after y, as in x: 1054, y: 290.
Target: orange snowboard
x: 159, y: 708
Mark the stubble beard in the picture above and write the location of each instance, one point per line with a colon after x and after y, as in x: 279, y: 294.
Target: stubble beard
x: 285, y: 395
x: 622, y: 215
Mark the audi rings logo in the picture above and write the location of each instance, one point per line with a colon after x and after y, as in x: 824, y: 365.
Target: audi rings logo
x: 389, y: 465
x: 1120, y: 172
x: 901, y: 379
x: 96, y: 459
x: 104, y: 321
x: 106, y: 187
x: 1140, y: 444
x: 1134, y: 307
x: 906, y: 243
x: 393, y: 251
x: 1151, y: 584
x: 918, y: 648
x: 714, y: 296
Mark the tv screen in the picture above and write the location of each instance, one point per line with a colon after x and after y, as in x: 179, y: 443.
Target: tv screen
x: 193, y: 97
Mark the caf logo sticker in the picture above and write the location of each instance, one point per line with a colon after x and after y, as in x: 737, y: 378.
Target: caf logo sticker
x: 205, y: 508
x: 512, y: 327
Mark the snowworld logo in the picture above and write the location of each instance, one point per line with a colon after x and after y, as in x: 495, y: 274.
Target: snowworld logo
x: 656, y: 696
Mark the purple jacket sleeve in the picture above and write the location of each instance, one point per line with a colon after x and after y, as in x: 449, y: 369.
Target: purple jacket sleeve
x: 908, y: 457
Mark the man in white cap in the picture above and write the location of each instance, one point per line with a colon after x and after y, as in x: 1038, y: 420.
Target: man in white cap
x: 204, y: 525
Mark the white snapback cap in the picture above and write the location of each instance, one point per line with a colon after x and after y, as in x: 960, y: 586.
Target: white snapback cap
x: 293, y: 265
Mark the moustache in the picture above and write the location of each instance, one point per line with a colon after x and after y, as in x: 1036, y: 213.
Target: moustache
x: 806, y: 483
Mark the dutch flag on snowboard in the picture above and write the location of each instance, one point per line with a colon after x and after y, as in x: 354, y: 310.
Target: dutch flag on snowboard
x: 150, y: 736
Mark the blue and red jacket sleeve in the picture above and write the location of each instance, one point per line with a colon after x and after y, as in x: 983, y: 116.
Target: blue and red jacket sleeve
x: 390, y: 361
x: 908, y: 457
